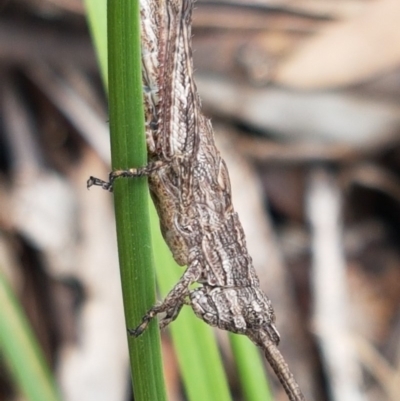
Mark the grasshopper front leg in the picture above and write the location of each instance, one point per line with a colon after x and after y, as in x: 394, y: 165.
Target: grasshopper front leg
x: 151, y: 168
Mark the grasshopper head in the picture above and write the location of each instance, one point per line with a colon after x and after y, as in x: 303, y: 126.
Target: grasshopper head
x: 236, y: 309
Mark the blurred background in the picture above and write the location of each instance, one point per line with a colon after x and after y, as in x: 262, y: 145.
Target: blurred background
x: 304, y: 96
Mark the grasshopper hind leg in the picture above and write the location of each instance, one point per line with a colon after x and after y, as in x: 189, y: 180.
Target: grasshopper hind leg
x: 172, y: 303
x: 171, y: 313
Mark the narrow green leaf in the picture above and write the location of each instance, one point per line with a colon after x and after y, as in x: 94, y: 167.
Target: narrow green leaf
x: 96, y: 11
x: 251, y: 370
x: 21, y: 351
x: 128, y: 149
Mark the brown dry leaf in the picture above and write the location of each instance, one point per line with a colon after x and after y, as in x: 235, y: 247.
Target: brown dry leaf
x: 55, y: 7
x: 347, y: 52
x: 317, y: 8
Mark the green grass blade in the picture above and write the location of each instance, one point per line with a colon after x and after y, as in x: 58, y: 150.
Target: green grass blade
x: 96, y: 11
x: 128, y: 149
x: 21, y: 351
x: 252, y: 376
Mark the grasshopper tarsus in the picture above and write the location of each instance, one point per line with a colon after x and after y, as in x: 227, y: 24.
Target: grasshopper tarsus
x: 136, y: 332
x: 94, y: 181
